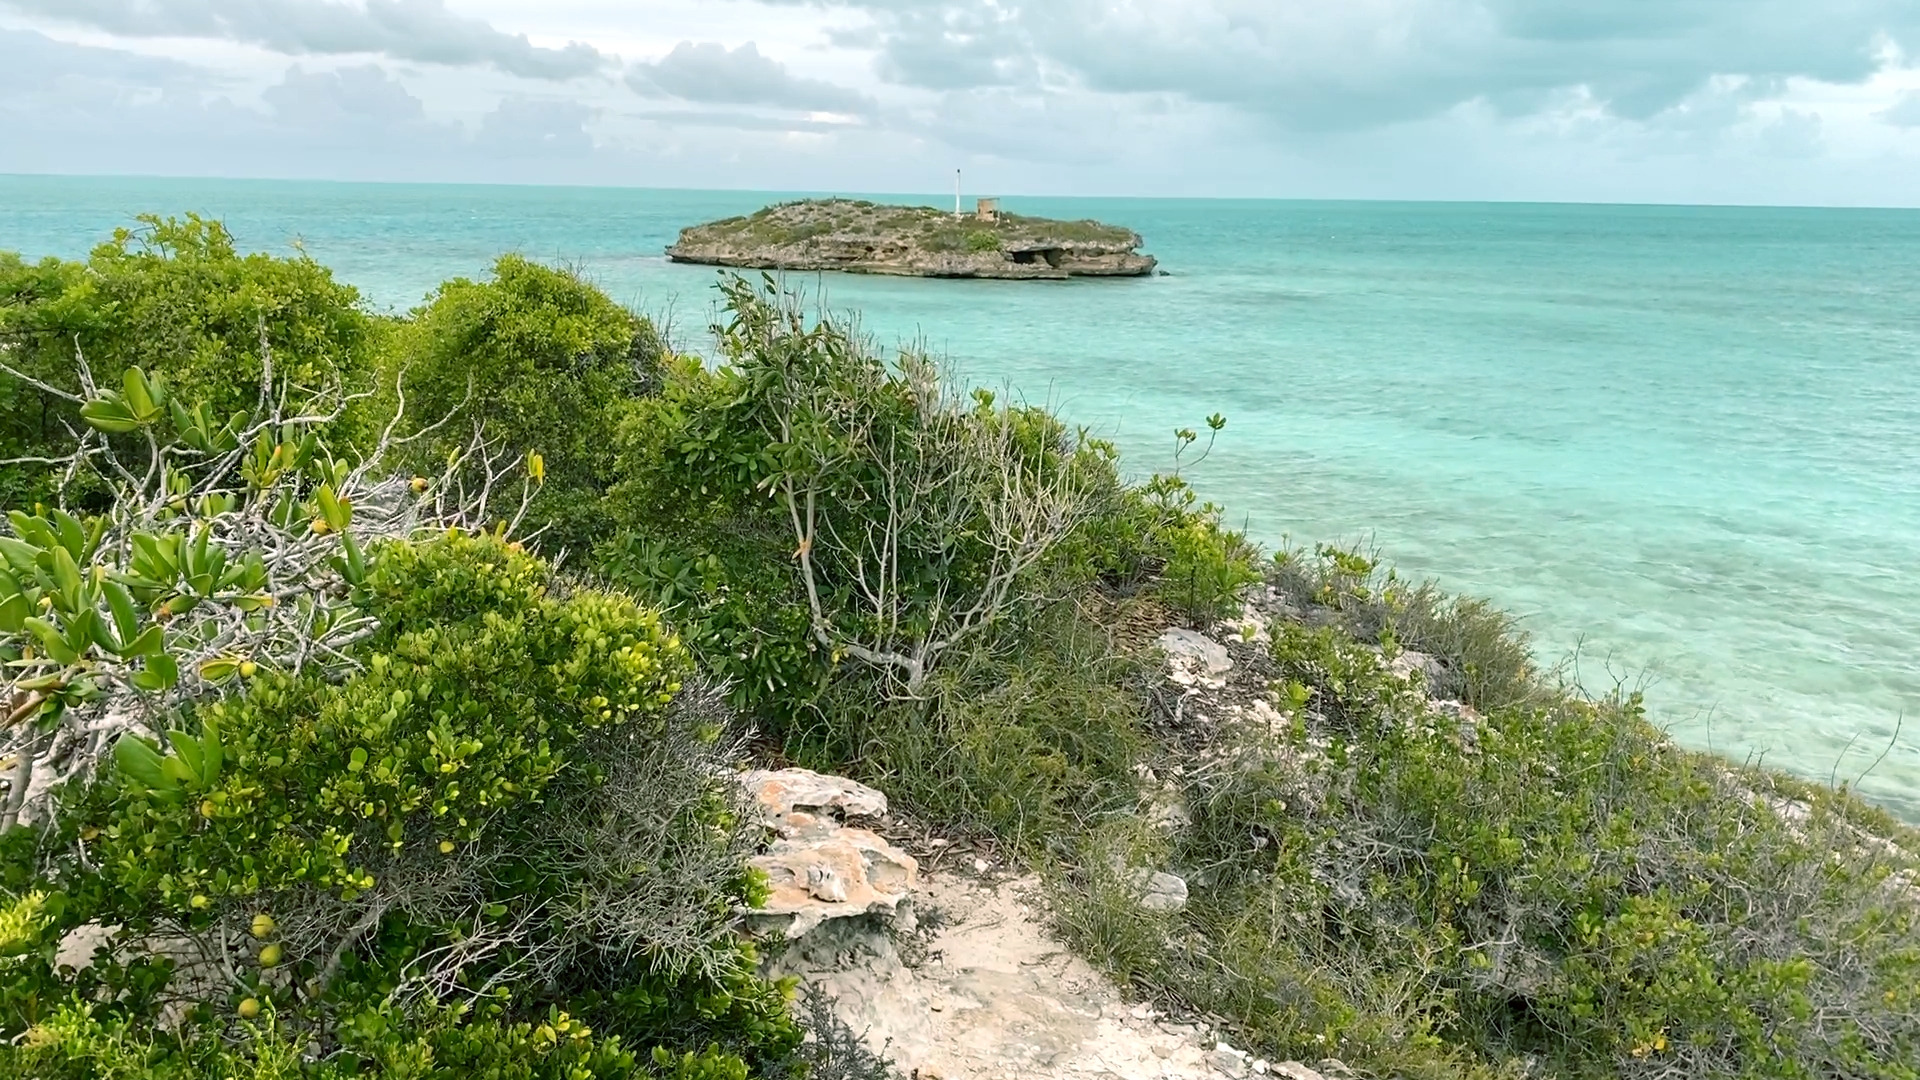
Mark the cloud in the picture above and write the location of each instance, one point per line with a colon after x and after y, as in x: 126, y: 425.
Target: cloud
x: 329, y: 99
x: 1904, y: 112
x: 420, y: 30
x: 352, y: 123
x: 1370, y: 62
x: 32, y: 62
x: 738, y: 120
x: 534, y: 128
x: 1793, y: 134
x: 712, y: 74
x: 1681, y: 100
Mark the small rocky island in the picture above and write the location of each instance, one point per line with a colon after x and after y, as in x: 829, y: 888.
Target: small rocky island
x: 865, y: 237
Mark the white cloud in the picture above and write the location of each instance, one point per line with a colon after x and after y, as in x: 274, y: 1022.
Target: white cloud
x: 1905, y: 110
x: 421, y: 30
x: 1688, y: 100
x: 711, y: 73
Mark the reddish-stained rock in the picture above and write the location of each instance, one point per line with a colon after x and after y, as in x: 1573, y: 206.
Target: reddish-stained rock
x: 818, y: 867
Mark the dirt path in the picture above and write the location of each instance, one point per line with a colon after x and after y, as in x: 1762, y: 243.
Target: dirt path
x: 979, y: 989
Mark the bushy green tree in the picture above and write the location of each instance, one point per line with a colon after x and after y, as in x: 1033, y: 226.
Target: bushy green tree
x: 539, y: 361
x: 409, y: 804
x: 900, y: 519
x: 177, y: 299
x: 496, y: 832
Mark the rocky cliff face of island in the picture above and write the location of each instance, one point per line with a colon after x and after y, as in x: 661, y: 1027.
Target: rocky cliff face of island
x: 916, y: 241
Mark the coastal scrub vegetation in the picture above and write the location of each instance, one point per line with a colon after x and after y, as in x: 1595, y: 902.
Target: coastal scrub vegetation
x: 373, y: 684
x: 792, y: 223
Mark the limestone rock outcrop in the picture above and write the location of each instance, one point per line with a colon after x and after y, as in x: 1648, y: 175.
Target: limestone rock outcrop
x: 1194, y: 659
x: 818, y: 866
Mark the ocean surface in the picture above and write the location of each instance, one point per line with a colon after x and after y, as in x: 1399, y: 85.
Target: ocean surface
x: 1682, y: 443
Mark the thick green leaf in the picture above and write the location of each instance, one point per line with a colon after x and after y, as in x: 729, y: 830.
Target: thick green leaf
x: 52, y: 641
x: 66, y: 578
x: 156, y: 558
x: 179, y: 776
x: 19, y: 554
x: 149, y: 642
x: 13, y: 613
x: 355, y: 565
x: 162, y: 673
x: 81, y: 630
x: 139, y: 763
x: 126, y: 616
x: 100, y: 632
x: 108, y: 416
x: 34, y: 530
x: 143, y: 398
x: 196, y: 560
x: 191, y: 426
x: 187, y: 748
x: 337, y: 514
x: 213, y: 754
x: 72, y: 534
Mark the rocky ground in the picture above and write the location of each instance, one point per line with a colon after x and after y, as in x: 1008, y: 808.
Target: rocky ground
x: 918, y: 241
x: 943, y: 959
x: 953, y: 973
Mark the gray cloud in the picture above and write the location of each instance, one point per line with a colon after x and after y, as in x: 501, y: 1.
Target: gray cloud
x: 358, y: 98
x: 1905, y: 111
x: 712, y: 74
x: 736, y: 120
x: 534, y: 128
x: 421, y: 30
x: 353, y: 123
x: 1314, y: 65
x: 31, y: 61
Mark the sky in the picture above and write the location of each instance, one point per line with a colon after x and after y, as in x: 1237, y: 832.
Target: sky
x: 1798, y: 102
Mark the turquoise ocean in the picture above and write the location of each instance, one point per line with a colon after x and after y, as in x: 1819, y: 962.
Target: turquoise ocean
x: 1682, y: 443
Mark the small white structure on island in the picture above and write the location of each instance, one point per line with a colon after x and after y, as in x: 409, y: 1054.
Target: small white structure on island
x: 983, y: 210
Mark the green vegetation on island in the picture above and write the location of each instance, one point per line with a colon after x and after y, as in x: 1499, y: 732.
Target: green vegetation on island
x: 374, y: 682
x: 866, y: 237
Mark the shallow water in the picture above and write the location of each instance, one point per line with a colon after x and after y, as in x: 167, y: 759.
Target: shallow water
x: 1681, y: 442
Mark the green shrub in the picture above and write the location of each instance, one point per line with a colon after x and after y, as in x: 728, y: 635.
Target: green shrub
x: 175, y: 298
x: 77, y: 1045
x: 507, y: 806
x: 538, y: 361
x: 1445, y: 893
x: 742, y: 613
x: 1207, y: 566
x: 1485, y: 660
x: 1024, y: 742
x: 899, y: 520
